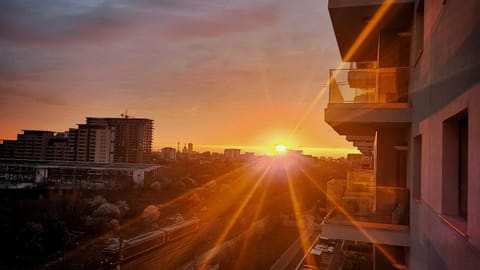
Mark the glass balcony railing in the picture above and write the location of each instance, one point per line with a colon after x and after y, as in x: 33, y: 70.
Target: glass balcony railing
x: 392, y: 204
x: 374, y: 85
x: 385, y: 205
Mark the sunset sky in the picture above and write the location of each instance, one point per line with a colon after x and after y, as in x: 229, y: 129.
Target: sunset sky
x: 215, y: 73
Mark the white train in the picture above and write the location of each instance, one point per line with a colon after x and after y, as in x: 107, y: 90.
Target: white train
x: 147, y: 241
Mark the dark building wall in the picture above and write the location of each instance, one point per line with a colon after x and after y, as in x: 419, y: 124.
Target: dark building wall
x: 391, y: 157
x: 32, y: 144
x: 7, y: 148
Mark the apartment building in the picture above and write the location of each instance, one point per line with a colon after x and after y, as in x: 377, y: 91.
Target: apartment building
x: 410, y: 100
x: 90, y: 143
x: 169, y: 153
x: 231, y: 154
x: 57, y: 147
x: 132, y: 137
x: 32, y: 144
x: 35, y: 145
x: 7, y: 148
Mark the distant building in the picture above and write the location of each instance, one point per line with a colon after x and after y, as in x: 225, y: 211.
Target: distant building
x: 231, y: 154
x: 132, y: 137
x: 90, y: 143
x: 249, y: 155
x: 169, y: 153
x: 68, y: 174
x: 190, y: 147
x: 298, y: 154
x: 308, y: 160
x: 57, y: 148
x: 335, y: 191
x: 358, y: 161
x: 35, y: 145
x: 7, y: 148
x: 32, y: 144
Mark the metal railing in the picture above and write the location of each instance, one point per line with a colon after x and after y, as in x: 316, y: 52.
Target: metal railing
x: 369, y: 85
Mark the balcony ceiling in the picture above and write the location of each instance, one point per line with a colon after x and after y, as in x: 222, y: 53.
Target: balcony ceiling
x: 364, y: 119
x: 387, y: 234
x: 349, y: 17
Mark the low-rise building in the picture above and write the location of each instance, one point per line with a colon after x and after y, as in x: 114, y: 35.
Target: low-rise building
x: 68, y: 174
x: 169, y: 153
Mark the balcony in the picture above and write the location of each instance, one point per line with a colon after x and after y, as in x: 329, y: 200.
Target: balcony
x: 381, y: 217
x: 362, y: 99
x: 351, y: 17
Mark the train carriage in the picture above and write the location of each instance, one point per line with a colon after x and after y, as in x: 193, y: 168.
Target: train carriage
x: 145, y: 242
x: 176, y: 231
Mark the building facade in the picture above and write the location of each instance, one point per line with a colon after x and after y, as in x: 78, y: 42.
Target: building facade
x: 190, y: 148
x: 410, y: 101
x: 7, y: 148
x: 57, y: 147
x: 32, y: 144
x: 15, y: 173
x: 231, y: 154
x: 132, y: 137
x: 169, y: 153
x: 90, y: 143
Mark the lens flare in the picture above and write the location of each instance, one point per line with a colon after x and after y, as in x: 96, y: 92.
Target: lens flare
x: 280, y: 148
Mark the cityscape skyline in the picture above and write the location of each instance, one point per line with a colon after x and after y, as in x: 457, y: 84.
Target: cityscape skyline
x: 259, y: 150
x: 200, y: 82
x: 207, y: 135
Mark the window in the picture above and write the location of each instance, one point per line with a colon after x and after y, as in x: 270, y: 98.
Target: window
x: 455, y: 166
x: 463, y: 167
x: 417, y: 167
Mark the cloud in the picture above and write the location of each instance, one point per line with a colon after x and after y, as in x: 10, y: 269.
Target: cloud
x: 61, y: 21
x: 53, y: 20
x: 223, y: 23
x: 39, y: 97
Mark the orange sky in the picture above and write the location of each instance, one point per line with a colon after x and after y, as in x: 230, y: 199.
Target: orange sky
x: 215, y: 73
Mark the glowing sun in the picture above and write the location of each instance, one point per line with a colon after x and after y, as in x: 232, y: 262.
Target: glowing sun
x: 280, y: 148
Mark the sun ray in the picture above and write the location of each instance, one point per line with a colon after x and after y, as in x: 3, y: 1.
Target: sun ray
x: 190, y: 251
x: 234, y: 219
x: 250, y: 232
x: 300, y: 223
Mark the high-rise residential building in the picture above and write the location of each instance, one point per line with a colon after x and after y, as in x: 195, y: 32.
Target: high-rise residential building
x: 231, y: 154
x: 410, y: 101
x: 32, y: 144
x: 190, y: 147
x: 57, y: 147
x: 90, y: 143
x: 132, y: 137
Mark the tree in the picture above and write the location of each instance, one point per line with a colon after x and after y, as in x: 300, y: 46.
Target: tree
x: 151, y: 213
